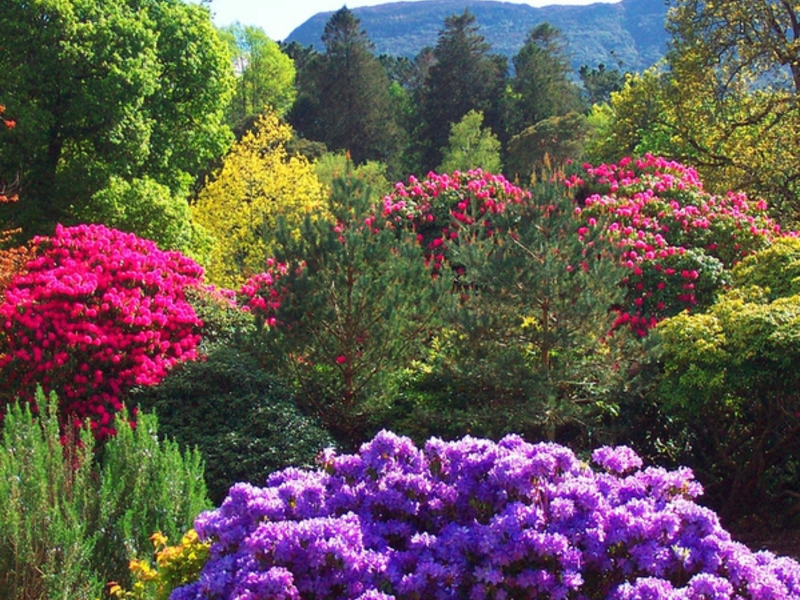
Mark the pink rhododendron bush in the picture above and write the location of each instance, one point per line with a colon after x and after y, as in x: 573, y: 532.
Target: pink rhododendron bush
x: 677, y: 240
x: 447, y: 209
x: 474, y: 519
x: 95, y: 312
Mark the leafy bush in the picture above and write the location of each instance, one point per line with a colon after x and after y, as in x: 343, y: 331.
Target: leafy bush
x: 241, y: 420
x: 96, y: 312
x: 175, y: 566
x: 676, y: 239
x: 475, y: 519
x: 73, y: 515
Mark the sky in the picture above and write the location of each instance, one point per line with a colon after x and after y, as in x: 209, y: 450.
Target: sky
x: 278, y: 18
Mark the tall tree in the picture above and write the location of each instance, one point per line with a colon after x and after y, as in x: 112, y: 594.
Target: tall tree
x: 264, y: 74
x: 108, y: 89
x: 745, y: 37
x: 464, y: 77
x: 345, y: 90
x: 241, y: 203
x: 726, y: 100
x: 541, y: 84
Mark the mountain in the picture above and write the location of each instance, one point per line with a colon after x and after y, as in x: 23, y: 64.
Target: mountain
x: 629, y: 33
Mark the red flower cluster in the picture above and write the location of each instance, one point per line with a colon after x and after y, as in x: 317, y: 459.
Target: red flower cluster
x: 95, y: 312
x: 441, y: 207
x: 676, y: 238
x: 259, y: 294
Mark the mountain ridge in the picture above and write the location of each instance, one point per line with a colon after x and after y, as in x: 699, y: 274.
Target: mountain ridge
x: 629, y: 34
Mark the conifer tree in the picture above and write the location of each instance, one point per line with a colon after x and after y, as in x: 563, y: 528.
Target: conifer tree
x: 464, y: 77
x: 541, y: 84
x: 528, y: 342
x: 345, y: 94
x: 355, y: 303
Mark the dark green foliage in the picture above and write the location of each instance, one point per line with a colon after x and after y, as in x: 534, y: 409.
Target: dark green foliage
x: 541, y: 85
x: 344, y: 95
x: 72, y: 516
x: 600, y: 82
x: 464, y: 77
x: 549, y: 144
x: 227, y: 406
x: 245, y: 425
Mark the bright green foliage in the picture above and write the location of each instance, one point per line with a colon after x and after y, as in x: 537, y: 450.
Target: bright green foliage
x: 143, y: 206
x: 463, y: 77
x: 240, y: 205
x: 46, y: 547
x: 175, y: 566
x: 345, y: 94
x: 552, y: 143
x: 526, y: 350
x: 357, y: 303
x: 104, y: 90
x: 730, y: 377
x: 264, y: 75
x: 333, y: 165
x: 541, y: 84
x: 72, y: 515
x: 471, y: 146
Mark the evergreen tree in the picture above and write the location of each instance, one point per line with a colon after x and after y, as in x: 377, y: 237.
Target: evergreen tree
x: 541, y: 84
x: 345, y: 99
x: 464, y: 77
x: 355, y: 303
x: 600, y: 82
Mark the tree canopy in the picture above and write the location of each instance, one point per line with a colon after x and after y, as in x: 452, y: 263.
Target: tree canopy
x: 103, y: 90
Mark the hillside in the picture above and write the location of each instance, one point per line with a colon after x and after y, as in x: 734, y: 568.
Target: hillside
x: 630, y: 32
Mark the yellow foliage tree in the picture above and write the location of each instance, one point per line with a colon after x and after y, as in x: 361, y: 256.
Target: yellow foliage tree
x: 240, y: 206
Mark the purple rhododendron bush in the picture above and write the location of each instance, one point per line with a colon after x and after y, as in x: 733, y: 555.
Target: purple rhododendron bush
x: 476, y: 519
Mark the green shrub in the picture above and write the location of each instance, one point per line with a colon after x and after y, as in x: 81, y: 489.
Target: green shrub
x: 245, y: 425
x: 72, y: 515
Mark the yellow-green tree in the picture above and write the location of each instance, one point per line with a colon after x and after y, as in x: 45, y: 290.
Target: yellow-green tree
x: 724, y: 101
x: 258, y: 182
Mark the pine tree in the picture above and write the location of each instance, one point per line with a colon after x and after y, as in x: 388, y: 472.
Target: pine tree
x: 541, y: 84
x: 345, y: 94
x: 464, y: 77
x: 356, y: 303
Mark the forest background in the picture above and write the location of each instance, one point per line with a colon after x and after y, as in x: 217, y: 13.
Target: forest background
x: 588, y: 258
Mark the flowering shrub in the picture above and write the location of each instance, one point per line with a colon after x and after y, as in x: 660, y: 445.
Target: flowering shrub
x: 676, y: 239
x: 95, y: 312
x: 442, y: 208
x: 477, y: 519
x: 175, y: 566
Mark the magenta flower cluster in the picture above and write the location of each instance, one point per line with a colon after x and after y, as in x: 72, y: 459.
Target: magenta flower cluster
x: 95, y: 312
x: 675, y: 237
x: 442, y: 207
x: 474, y: 520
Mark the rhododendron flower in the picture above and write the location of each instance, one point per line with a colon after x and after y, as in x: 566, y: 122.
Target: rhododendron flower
x: 477, y: 519
x: 95, y: 312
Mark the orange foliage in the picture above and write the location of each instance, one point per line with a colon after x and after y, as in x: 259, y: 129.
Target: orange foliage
x: 11, y: 260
